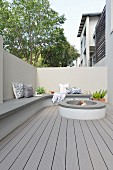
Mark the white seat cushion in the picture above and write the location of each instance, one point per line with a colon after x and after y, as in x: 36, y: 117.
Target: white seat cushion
x: 63, y: 87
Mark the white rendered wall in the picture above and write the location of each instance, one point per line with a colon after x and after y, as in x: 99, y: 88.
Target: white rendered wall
x: 87, y: 41
x: 83, y: 56
x: 109, y: 49
x: 92, y: 24
x: 89, y: 25
x: 101, y: 63
x: 86, y: 78
x: 16, y: 70
x: 1, y: 69
x: 78, y: 62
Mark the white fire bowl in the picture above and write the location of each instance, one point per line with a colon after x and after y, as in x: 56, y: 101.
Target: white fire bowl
x: 89, y: 112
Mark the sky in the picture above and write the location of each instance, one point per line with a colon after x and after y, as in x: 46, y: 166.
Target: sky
x: 73, y: 10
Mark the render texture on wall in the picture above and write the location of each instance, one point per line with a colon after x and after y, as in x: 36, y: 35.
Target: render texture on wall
x: 86, y: 78
x: 109, y: 48
x: 1, y: 69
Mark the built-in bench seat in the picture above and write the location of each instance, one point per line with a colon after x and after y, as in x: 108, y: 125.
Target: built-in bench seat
x: 16, y: 111
x: 78, y: 96
x: 8, y: 106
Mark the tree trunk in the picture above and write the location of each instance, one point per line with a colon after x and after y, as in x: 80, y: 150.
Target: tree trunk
x: 31, y: 58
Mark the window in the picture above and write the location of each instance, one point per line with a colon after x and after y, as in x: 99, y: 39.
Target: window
x: 81, y: 45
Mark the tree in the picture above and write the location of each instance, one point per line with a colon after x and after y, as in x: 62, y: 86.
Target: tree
x: 73, y: 53
x: 29, y: 26
x: 31, y: 29
x: 4, y: 15
x: 59, y: 53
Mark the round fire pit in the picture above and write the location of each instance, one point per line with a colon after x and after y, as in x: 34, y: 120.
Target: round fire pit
x: 82, y: 110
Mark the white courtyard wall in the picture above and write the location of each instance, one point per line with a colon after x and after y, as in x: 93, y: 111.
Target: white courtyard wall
x: 1, y: 69
x: 109, y: 47
x: 16, y: 70
x: 86, y: 78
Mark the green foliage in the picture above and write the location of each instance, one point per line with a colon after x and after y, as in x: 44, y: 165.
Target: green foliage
x: 96, y: 95
x: 59, y: 53
x: 4, y: 15
x: 31, y: 29
x: 103, y: 93
x: 40, y: 90
x: 99, y: 94
x: 27, y: 27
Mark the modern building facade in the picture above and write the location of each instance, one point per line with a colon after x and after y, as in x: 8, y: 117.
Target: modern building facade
x: 87, y: 39
x: 99, y: 57
x: 103, y: 42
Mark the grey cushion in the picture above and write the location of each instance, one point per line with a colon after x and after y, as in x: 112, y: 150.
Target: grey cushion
x: 76, y: 90
x: 73, y: 90
x: 28, y: 91
x: 18, y: 90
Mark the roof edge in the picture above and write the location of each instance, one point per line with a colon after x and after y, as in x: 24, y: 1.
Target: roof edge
x: 83, y: 19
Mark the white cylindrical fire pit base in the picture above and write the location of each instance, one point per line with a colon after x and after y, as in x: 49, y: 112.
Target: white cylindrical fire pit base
x: 95, y: 110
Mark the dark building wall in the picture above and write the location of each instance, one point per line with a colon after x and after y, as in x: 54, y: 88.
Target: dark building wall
x: 100, y: 41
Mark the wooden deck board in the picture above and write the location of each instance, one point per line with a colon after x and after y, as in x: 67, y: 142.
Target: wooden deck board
x: 109, y: 122
x: 34, y: 158
x: 96, y: 158
x: 46, y: 161
x: 49, y: 142
x: 72, y: 161
x: 82, y: 147
x: 105, y: 135
x: 102, y: 146
x: 8, y: 144
x: 60, y: 154
x: 29, y: 140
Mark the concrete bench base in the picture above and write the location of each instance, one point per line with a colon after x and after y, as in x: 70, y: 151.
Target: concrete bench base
x: 15, y: 112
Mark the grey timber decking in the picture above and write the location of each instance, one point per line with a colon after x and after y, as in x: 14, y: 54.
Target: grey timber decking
x: 48, y: 141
